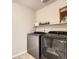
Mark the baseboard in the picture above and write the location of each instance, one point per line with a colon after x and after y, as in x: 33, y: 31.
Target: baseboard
x: 19, y: 54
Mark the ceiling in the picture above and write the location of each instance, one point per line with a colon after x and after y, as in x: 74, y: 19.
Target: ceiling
x: 34, y: 4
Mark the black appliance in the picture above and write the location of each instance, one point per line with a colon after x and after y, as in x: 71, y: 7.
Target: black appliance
x: 34, y: 44
x: 54, y: 45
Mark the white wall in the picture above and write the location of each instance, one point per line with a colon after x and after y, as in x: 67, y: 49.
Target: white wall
x: 22, y: 23
x: 51, y: 13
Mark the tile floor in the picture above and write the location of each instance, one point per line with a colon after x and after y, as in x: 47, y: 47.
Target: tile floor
x: 24, y: 56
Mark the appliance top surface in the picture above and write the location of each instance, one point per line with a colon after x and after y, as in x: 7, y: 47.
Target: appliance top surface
x: 58, y: 32
x: 37, y: 33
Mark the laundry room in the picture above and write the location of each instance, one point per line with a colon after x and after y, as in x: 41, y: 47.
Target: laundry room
x: 39, y: 29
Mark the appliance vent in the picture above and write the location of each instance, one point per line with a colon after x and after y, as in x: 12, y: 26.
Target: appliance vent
x: 44, y: 1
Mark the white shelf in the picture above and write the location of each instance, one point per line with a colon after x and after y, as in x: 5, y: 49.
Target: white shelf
x: 50, y: 25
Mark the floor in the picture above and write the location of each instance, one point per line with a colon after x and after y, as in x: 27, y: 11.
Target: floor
x: 24, y: 56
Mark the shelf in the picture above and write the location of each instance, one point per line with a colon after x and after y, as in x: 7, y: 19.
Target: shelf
x: 51, y: 25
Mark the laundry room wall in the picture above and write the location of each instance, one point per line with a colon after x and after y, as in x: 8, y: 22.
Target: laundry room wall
x: 50, y: 13
x: 22, y: 23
